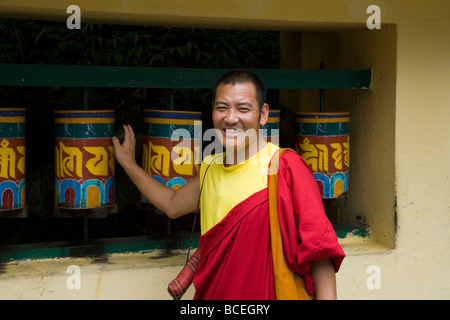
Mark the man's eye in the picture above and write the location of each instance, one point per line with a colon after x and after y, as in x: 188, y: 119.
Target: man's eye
x: 221, y: 107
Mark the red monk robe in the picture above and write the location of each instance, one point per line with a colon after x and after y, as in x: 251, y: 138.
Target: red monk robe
x: 236, y: 257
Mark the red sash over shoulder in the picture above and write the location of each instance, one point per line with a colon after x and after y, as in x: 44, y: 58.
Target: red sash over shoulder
x: 236, y: 256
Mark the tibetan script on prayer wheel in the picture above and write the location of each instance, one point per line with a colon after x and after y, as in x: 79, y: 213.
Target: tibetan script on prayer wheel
x: 84, y: 159
x: 171, y: 146
x: 12, y: 158
x: 322, y: 139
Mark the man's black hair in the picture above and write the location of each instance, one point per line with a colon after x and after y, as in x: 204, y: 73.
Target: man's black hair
x: 241, y: 76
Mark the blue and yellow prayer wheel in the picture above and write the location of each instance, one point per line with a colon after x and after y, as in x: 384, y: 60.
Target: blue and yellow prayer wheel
x: 322, y: 139
x: 84, y: 159
x: 271, y: 130
x: 12, y: 158
x: 171, y: 146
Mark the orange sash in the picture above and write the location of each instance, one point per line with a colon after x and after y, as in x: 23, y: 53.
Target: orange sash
x: 288, y: 285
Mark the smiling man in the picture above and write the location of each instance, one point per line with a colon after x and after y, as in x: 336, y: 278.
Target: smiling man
x: 235, y: 249
x: 239, y: 111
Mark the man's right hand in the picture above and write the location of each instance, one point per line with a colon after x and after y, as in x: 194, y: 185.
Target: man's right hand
x: 125, y: 152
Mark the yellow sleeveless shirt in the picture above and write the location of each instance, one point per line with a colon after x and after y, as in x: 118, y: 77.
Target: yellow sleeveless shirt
x: 224, y: 187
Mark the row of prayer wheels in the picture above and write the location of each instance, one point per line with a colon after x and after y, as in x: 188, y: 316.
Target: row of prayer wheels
x: 84, y: 153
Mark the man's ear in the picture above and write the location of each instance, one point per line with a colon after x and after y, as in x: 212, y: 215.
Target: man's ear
x: 264, y: 114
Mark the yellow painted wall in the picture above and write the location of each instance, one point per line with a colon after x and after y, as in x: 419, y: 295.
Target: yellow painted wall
x: 411, y: 91
x: 372, y: 177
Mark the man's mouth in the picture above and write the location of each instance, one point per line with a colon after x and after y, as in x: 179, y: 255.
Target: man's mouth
x: 232, y: 131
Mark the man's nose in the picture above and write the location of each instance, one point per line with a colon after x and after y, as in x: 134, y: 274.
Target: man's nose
x: 231, y: 116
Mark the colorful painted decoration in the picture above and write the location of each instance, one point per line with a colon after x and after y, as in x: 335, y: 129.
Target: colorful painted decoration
x: 84, y: 159
x: 323, y: 141
x: 12, y: 158
x: 171, y: 146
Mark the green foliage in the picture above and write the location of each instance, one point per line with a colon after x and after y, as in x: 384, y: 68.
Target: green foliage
x: 44, y: 42
x: 27, y: 41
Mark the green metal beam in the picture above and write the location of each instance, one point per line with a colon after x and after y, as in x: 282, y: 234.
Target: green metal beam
x: 137, y: 77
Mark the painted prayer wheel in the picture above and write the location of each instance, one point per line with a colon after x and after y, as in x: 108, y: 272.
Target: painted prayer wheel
x: 12, y: 159
x: 84, y: 159
x: 271, y: 130
x: 171, y: 146
x: 322, y: 139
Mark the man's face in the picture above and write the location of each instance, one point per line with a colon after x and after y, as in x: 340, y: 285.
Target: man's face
x: 236, y: 115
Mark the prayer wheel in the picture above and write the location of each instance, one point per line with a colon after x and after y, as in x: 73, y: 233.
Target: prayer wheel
x: 322, y: 139
x: 84, y: 159
x: 12, y: 159
x: 271, y: 130
x: 171, y: 146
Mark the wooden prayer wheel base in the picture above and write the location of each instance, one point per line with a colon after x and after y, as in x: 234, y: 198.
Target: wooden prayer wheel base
x: 340, y: 201
x: 13, y: 213
x: 147, y: 206
x: 96, y: 212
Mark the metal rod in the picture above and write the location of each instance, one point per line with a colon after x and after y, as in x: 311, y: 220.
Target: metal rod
x: 322, y: 91
x: 85, y: 98
x: 171, y: 105
x: 85, y: 230
x: 171, y: 102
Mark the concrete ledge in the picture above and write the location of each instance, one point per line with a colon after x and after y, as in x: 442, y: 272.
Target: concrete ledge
x: 107, y: 270
x: 116, y: 276
x: 145, y: 276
